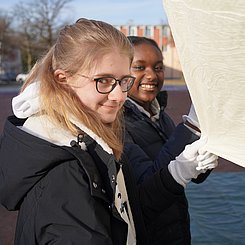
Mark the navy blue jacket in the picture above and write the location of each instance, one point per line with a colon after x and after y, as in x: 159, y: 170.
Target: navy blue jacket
x: 162, y: 142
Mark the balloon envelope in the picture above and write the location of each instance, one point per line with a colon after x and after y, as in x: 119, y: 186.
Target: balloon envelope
x: 210, y: 40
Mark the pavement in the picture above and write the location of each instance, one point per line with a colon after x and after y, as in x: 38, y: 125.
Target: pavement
x: 178, y: 104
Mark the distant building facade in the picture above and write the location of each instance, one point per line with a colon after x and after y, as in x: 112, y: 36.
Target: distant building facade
x: 163, y: 36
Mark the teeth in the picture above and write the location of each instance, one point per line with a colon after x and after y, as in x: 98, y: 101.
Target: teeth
x: 148, y: 86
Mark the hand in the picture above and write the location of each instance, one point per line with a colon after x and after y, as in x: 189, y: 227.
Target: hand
x: 191, y: 119
x: 192, y: 162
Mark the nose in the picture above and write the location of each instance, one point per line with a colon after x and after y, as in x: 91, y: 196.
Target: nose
x: 117, y: 95
x: 150, y: 74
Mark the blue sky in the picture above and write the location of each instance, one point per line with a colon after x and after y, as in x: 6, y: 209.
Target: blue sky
x: 116, y: 12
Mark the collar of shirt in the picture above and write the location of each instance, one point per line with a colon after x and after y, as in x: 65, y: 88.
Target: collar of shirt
x: 155, y: 107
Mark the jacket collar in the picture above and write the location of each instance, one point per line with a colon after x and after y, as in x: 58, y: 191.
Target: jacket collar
x: 104, y: 161
x: 130, y: 103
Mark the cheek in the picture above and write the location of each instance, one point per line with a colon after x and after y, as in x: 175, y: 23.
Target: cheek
x: 124, y: 98
x: 132, y: 91
x: 88, y: 97
x: 135, y: 85
x: 161, y: 79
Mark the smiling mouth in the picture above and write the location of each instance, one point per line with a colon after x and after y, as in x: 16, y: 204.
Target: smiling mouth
x: 148, y: 87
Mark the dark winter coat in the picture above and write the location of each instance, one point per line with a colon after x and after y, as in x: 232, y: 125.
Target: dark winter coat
x: 162, y: 142
x: 65, y: 195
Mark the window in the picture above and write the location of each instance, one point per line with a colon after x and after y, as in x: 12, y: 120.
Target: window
x: 132, y: 30
x: 149, y: 31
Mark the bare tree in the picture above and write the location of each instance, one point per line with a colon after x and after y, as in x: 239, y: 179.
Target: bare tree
x: 3, y: 28
x: 8, y: 46
x: 38, y: 25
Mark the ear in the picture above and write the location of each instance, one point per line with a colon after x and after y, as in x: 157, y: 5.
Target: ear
x: 60, y: 76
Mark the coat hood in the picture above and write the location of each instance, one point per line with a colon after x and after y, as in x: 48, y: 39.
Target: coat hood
x: 25, y: 159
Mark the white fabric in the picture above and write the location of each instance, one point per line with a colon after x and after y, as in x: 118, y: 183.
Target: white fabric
x: 210, y: 40
x: 193, y: 161
x: 121, y: 199
x: 27, y: 102
x: 43, y: 128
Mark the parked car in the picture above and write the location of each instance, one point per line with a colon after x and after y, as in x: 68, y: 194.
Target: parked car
x: 21, y: 77
x: 7, y: 77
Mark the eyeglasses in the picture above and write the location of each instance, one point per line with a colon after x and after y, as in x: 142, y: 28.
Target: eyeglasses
x: 104, y: 85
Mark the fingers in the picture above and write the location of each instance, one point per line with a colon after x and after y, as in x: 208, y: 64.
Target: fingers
x: 206, y: 160
x: 209, y: 163
x: 208, y: 166
x: 194, y: 148
x: 196, y: 152
x: 206, y: 156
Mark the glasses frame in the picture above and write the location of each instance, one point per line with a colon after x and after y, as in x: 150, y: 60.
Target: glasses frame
x: 117, y: 81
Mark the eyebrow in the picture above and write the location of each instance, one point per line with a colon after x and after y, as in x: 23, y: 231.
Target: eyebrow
x: 139, y: 61
x: 110, y: 75
x: 143, y: 61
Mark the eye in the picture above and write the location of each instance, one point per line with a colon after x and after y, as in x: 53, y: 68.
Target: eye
x: 105, y: 80
x: 138, y: 68
x: 159, y: 68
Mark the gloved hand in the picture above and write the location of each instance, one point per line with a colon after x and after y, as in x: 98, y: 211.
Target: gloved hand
x: 192, y: 162
x: 191, y: 119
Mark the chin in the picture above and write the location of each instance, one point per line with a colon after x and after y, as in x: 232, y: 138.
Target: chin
x: 108, y: 120
x: 148, y: 98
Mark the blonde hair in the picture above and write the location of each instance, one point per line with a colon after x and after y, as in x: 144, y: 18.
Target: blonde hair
x: 78, y: 47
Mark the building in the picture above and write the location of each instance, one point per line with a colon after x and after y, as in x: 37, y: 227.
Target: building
x: 163, y: 36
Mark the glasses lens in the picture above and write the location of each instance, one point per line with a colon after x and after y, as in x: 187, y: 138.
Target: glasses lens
x: 105, y: 84
x: 127, y: 83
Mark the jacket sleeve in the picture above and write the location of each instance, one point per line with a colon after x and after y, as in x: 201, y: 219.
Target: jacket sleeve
x: 176, y: 143
x: 157, y: 193
x: 145, y: 172
x: 157, y: 189
x: 144, y: 167
x: 68, y: 213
